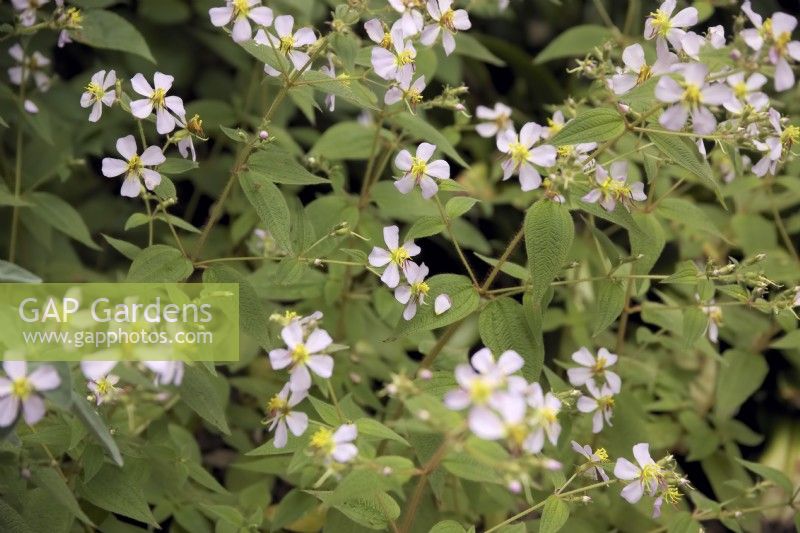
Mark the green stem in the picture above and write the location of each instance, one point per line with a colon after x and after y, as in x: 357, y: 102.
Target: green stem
x: 12, y: 253
x: 460, y: 253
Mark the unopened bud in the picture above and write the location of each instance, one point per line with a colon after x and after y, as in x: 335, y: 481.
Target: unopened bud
x: 387, y: 471
x: 514, y: 486
x: 263, y: 135
x: 424, y: 415
x: 342, y: 228
x: 355, y: 378
x: 425, y: 374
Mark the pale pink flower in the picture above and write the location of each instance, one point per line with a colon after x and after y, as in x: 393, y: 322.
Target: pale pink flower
x: 133, y: 166
x: 302, y: 354
x: 241, y: 12
x: 395, y: 258
x: 446, y: 20
x: 19, y: 391
x: 155, y: 98
x: 522, y: 155
x: 420, y: 170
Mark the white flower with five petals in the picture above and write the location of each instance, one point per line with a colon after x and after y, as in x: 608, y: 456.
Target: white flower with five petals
x: 155, y: 98
x: 594, y: 369
x: 601, y: 403
x: 241, y: 12
x: 99, y: 92
x: 283, y: 419
x: 420, y: 170
x: 522, y: 155
x: 336, y: 445
x: 413, y: 292
x: 663, y: 25
x: 776, y: 31
x: 647, y: 477
x: 302, y: 354
x: 287, y: 43
x: 19, y: 391
x: 397, y: 57
x: 395, y: 258
x: 447, y: 21
x: 637, y: 71
x: 691, y: 97
x: 133, y: 166
x: 496, y: 121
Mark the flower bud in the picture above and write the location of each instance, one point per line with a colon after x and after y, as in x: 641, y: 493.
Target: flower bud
x: 263, y: 135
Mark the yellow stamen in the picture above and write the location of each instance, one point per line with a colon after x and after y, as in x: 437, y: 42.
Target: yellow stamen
x: 21, y: 388
x: 650, y: 472
x: 672, y: 495
x: 601, y: 454
x: 158, y: 97
x: 300, y: 354
x: 448, y: 20
x: 277, y: 405
x: 740, y: 90
x: 404, y: 58
x: 553, y: 127
x: 519, y: 153
x: 399, y: 256
x: 287, y: 43
x: 420, y: 289
x: 240, y: 8
x: 134, y: 165
x: 418, y: 167
x: 386, y: 42
x: 691, y: 95
x: 96, y: 90
x: 644, y: 74
x: 789, y: 136
x: 479, y: 391
x: 661, y: 23
x: 323, y: 440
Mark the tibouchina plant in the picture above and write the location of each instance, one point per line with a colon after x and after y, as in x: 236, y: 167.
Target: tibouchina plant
x: 607, y: 342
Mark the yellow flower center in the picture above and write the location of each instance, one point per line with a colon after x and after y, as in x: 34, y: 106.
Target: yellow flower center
x: 277, y: 405
x: 323, y: 440
x: 96, y: 90
x: 420, y: 288
x: 300, y: 354
x: 104, y: 386
x: 644, y: 74
x: 548, y: 414
x: 418, y: 167
x: 413, y: 96
x: 565, y: 150
x: 553, y: 127
x: 287, y: 43
x: 691, y: 95
x: 158, y: 97
x: 740, y: 90
x: 240, y: 8
x: 601, y: 454
x: 399, y: 256
x: 386, y: 42
x: 672, y: 495
x: 74, y: 17
x: 715, y: 314
x: 650, y: 472
x: 134, y: 164
x: 600, y: 362
x: 404, y: 58
x: 21, y: 388
x: 790, y: 136
x: 195, y: 125
x: 766, y: 28
x: 605, y: 402
x: 517, y: 433
x: 447, y: 20
x: 661, y: 23
x: 781, y: 41
x: 479, y: 391
x: 519, y: 153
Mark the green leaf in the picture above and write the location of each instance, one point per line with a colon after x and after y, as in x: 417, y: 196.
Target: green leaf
x: 417, y: 128
x: 346, y: 141
x: 95, y: 425
x: 549, y: 231
x: 609, y: 303
x: 126, y: 248
x: 502, y: 326
x: 554, y: 515
x: 576, y: 41
x: 468, y: 45
x: 62, y: 217
x: 374, y: 511
x: 177, y: 165
x: 278, y: 166
x: 789, y: 341
x: 741, y: 374
x: 270, y: 206
x: 593, y: 125
x: 118, y: 490
x: 351, y: 90
x: 52, y: 483
x: 11, y: 521
x: 252, y: 315
x: 463, y: 295
x: 459, y: 205
x: 425, y: 226
x: 512, y: 269
x: 689, y: 214
x: 104, y: 29
x: 373, y: 428
x: 9, y: 272
x: 206, y: 395
x: 649, y: 243
x: 684, y: 153
x: 771, y: 474
x: 448, y: 526
x: 695, y: 323
x: 160, y: 263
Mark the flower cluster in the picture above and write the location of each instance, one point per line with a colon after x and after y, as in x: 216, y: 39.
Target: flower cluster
x: 305, y: 343
x: 601, y: 383
x: 503, y: 405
